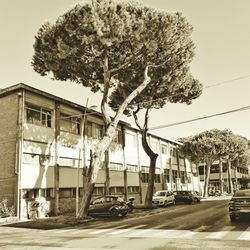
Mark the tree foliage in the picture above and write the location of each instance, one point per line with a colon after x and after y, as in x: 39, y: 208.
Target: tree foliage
x: 215, y: 145
x: 112, y: 46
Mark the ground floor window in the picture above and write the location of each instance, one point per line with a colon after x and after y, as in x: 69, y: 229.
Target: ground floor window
x: 117, y: 190
x: 66, y: 192
x: 133, y: 189
x: 37, y: 193
x: 98, y: 191
x: 157, y: 178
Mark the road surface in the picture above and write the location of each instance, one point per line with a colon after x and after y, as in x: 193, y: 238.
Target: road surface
x: 200, y: 226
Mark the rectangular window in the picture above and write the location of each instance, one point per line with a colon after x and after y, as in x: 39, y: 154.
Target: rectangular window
x: 167, y: 175
x: 131, y: 140
x: 115, y: 166
x: 145, y: 177
x: 117, y: 190
x: 38, y: 115
x: 175, y: 175
x: 94, y: 130
x: 157, y: 178
x: 132, y: 168
x: 164, y: 149
x: 133, y: 189
x: 70, y: 123
x: 65, y: 192
x: 98, y: 191
x: 118, y: 138
x: 182, y: 173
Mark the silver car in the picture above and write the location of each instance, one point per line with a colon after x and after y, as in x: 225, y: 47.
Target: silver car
x: 163, y: 198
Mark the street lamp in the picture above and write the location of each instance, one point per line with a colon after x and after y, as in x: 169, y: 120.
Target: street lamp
x: 81, y: 151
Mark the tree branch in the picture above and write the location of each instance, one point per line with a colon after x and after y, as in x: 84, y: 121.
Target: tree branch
x: 136, y: 117
x: 131, y: 96
x: 106, y: 80
x: 145, y: 126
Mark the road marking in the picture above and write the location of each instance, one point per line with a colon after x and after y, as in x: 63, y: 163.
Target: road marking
x: 121, y: 231
x: 245, y: 235
x: 124, y: 225
x: 219, y: 235
x: 101, y: 231
x: 201, y: 228
x: 144, y: 232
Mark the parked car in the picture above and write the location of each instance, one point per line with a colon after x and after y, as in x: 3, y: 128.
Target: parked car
x: 163, y: 198
x: 239, y: 204
x: 188, y: 197
x: 111, y: 205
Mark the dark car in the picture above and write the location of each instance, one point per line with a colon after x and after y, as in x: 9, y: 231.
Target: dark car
x: 239, y: 204
x: 111, y: 205
x: 188, y: 197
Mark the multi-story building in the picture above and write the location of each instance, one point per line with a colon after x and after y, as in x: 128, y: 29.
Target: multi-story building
x: 43, y: 151
x: 240, y: 176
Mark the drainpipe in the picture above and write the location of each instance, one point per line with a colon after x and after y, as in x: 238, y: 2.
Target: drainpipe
x: 170, y: 167
x: 139, y: 165
x: 163, y: 181
x: 56, y: 166
x: 125, y: 180
x: 20, y: 151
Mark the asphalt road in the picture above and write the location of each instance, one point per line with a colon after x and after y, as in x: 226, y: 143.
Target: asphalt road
x: 201, y: 226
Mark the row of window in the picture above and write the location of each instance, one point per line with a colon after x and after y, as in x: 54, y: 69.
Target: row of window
x: 183, y: 177
x: 71, y: 123
x: 71, y: 192
x: 215, y: 169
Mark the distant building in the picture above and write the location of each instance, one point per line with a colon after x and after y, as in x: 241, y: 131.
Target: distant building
x: 40, y: 153
x: 240, y: 176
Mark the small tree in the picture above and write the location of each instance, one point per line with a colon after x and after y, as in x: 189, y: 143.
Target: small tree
x: 105, y: 45
x: 205, y: 145
x: 236, y: 147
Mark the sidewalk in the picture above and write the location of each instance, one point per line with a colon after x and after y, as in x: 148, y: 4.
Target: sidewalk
x: 214, y: 198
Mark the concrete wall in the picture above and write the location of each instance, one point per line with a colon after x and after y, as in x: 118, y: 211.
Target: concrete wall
x: 8, y: 147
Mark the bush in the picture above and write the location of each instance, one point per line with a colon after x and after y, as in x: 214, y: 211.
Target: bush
x: 6, y: 211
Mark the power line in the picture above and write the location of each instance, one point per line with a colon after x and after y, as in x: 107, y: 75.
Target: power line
x: 200, y: 118
x: 227, y: 81
x: 158, y: 99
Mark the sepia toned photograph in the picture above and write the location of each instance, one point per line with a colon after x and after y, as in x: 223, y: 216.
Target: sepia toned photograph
x: 124, y: 125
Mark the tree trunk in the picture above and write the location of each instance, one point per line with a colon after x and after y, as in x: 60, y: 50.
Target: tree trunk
x: 151, y: 180
x: 230, y: 183
x: 221, y: 176
x: 207, y: 176
x: 97, y: 155
x: 106, y: 167
x: 153, y: 156
x: 110, y: 133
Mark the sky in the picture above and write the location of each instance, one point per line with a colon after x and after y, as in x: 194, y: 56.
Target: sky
x: 222, y: 62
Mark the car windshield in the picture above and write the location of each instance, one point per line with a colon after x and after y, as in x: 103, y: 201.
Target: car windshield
x: 242, y: 193
x: 160, y: 193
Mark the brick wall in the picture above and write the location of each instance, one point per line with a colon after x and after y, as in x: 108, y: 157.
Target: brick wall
x: 8, y: 138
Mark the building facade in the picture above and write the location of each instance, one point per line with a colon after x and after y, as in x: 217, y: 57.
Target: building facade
x: 239, y: 174
x: 43, y: 152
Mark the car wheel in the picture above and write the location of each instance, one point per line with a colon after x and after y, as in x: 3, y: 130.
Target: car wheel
x: 114, y: 212
x: 173, y: 202
x: 232, y: 217
x: 124, y: 214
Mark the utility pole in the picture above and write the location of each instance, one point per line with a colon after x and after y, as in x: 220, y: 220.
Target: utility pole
x: 80, y: 157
